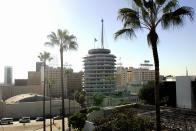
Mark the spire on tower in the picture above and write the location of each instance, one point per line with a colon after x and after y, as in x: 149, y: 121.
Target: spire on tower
x: 187, y: 74
x: 102, y: 42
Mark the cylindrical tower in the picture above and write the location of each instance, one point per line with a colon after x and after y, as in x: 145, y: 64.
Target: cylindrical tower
x: 99, y: 68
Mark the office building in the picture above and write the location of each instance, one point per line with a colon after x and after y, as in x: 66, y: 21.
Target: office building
x: 34, y: 78
x: 121, y: 77
x: 53, y: 76
x: 74, y: 82
x: 21, y: 82
x: 99, y: 68
x: 8, y: 75
x: 142, y: 76
x: 38, y: 66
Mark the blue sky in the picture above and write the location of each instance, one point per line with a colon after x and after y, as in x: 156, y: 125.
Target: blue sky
x: 25, y: 24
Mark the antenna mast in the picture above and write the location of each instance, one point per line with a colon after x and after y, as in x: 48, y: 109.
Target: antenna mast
x: 102, y: 44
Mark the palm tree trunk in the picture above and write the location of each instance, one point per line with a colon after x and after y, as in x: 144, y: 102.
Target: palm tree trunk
x: 50, y: 109
x: 44, y: 115
x: 157, y: 85
x: 62, y: 88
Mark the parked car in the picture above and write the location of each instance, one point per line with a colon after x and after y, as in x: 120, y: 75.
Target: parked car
x: 39, y: 119
x: 5, y: 121
x: 57, y: 117
x: 25, y: 120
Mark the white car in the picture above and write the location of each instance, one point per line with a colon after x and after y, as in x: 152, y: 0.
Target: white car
x: 25, y: 120
x: 5, y: 121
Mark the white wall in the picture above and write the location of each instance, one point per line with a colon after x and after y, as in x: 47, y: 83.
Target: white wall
x: 35, y: 109
x: 183, y: 91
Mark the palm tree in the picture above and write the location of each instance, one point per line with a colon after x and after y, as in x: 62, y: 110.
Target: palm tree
x: 65, y: 42
x: 149, y: 15
x: 51, y: 82
x: 43, y: 58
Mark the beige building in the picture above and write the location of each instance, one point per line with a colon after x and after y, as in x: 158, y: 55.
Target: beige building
x: 53, y: 75
x: 121, y: 77
x: 34, y: 78
x: 72, y: 81
x: 142, y: 75
x: 126, y: 76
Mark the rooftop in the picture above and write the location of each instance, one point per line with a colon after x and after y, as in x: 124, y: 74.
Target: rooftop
x: 30, y: 97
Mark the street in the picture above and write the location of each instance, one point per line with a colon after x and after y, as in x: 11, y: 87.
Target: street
x: 33, y: 126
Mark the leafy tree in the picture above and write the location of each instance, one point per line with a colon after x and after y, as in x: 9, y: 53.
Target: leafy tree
x: 78, y: 120
x: 167, y: 93
x: 98, y: 99
x: 149, y: 14
x: 123, y: 119
x: 65, y: 42
x: 146, y: 93
x: 80, y: 97
x: 43, y: 58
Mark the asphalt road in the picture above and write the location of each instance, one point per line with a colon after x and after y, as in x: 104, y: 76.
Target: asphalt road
x: 33, y: 126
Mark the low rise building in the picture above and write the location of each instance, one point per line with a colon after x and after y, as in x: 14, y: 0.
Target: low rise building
x: 34, y: 78
x: 32, y: 105
x: 21, y: 82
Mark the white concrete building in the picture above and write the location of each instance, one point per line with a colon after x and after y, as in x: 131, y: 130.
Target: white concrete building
x: 185, y: 91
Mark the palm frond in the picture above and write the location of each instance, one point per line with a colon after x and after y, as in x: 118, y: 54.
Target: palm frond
x: 59, y: 34
x: 53, y: 39
x: 127, y: 33
x: 138, y: 3
x: 44, y: 56
x: 49, y: 44
x: 160, y: 2
x: 170, y: 6
x: 176, y: 18
x: 72, y: 37
x: 65, y: 32
x: 69, y: 42
x: 73, y: 45
x: 126, y: 12
x: 145, y: 15
x: 184, y: 11
x: 129, y: 17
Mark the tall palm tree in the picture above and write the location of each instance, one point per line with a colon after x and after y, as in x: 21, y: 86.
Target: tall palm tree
x: 149, y: 14
x: 43, y: 58
x: 51, y: 82
x: 65, y: 42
